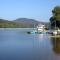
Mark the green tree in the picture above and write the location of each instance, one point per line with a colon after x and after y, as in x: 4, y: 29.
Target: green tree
x: 55, y: 19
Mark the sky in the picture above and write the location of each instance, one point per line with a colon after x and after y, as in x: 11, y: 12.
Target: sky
x: 34, y: 9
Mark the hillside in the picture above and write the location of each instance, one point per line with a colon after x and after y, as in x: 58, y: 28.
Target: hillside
x: 8, y: 24
x: 27, y: 22
x: 19, y: 23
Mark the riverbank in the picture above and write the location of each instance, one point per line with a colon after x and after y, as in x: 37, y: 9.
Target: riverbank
x: 55, y: 36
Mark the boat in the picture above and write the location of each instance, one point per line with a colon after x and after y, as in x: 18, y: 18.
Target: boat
x: 38, y: 30
x: 40, y: 27
x: 34, y: 32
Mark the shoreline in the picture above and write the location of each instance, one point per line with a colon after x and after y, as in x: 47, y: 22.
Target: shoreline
x: 55, y: 36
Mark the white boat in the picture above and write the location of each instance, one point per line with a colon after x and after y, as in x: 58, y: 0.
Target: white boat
x: 55, y: 32
x: 40, y: 28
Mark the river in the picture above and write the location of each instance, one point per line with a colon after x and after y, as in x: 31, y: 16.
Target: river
x: 16, y: 44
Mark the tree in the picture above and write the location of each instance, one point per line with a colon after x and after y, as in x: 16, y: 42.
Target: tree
x: 55, y: 19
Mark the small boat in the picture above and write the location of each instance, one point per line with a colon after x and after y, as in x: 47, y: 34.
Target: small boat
x: 55, y: 33
x: 34, y: 32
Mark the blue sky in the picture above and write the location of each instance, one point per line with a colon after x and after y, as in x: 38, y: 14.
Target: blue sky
x: 34, y: 9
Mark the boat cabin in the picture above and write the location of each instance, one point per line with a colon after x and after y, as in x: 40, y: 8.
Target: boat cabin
x: 40, y: 27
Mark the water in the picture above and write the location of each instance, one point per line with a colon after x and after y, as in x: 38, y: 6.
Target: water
x: 16, y: 44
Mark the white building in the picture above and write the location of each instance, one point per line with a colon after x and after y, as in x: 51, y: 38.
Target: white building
x: 40, y: 27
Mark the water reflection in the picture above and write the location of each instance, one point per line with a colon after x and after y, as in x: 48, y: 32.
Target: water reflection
x: 56, y: 45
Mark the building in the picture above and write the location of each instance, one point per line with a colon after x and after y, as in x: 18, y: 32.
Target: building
x: 41, y: 27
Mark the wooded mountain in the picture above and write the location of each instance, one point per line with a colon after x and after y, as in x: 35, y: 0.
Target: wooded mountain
x: 19, y: 23
x: 27, y: 22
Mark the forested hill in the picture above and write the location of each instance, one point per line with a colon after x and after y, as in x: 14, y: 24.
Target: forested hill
x: 7, y: 24
x: 19, y: 23
x: 27, y: 22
